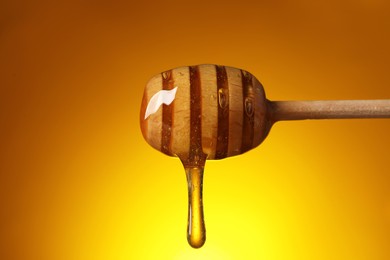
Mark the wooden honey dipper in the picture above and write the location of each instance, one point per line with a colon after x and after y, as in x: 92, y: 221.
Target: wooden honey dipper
x: 213, y: 112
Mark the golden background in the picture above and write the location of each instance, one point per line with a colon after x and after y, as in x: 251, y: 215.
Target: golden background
x: 77, y: 180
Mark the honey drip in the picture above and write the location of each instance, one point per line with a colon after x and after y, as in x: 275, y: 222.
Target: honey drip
x: 196, y: 231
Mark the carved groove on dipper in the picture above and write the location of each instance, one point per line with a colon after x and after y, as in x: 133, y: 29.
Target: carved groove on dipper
x: 248, y: 111
x: 223, y: 113
x: 167, y: 115
x: 196, y: 156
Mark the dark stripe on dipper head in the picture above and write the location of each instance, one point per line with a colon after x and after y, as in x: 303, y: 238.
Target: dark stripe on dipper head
x: 223, y: 113
x: 248, y: 111
x: 196, y: 156
x: 167, y: 115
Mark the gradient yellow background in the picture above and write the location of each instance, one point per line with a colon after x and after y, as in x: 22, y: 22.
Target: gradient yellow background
x: 77, y: 180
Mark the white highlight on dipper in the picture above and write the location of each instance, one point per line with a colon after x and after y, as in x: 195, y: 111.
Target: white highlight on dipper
x: 162, y: 97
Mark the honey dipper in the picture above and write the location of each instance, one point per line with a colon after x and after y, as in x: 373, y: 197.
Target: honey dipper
x: 213, y: 112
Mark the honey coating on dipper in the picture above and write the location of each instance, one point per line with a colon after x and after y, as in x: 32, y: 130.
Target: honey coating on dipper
x: 198, y: 113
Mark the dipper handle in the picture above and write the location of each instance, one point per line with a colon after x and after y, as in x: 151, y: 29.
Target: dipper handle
x: 328, y: 109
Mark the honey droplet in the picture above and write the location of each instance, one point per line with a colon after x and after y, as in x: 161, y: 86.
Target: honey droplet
x: 246, y: 74
x: 222, y: 98
x: 249, y: 106
x: 196, y: 231
x: 166, y: 74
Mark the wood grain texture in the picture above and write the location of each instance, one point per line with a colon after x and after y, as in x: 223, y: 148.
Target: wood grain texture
x: 329, y: 109
x: 208, y: 82
x: 153, y: 125
x: 181, y: 114
x: 235, y: 110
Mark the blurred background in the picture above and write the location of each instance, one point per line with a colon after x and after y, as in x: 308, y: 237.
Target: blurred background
x: 77, y: 180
